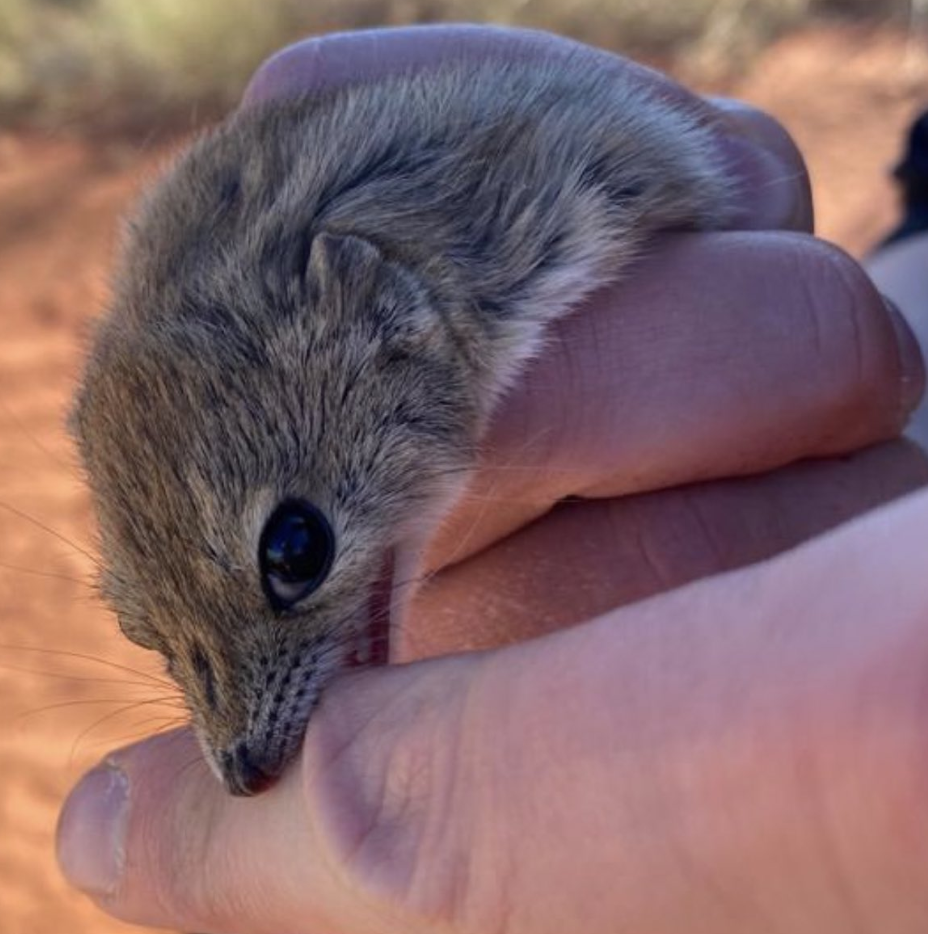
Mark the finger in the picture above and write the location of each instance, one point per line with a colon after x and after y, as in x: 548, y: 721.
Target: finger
x: 693, y: 756
x: 759, y: 732
x: 768, y: 174
x: 345, y: 58
x: 152, y: 836
x: 585, y: 558
x: 726, y: 354
x: 154, y: 839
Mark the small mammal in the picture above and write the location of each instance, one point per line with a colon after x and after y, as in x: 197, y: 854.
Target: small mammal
x: 316, y: 309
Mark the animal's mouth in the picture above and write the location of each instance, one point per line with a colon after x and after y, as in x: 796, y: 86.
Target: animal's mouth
x: 374, y: 640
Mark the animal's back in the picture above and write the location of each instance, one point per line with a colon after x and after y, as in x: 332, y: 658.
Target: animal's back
x: 511, y: 189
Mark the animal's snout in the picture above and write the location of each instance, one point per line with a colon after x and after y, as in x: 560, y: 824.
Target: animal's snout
x: 244, y: 773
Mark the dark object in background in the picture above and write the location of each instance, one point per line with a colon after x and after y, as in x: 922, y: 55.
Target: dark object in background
x: 911, y: 174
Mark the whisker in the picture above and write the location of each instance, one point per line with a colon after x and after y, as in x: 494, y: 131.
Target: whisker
x: 192, y: 763
x: 36, y: 573
x: 54, y: 533
x: 11, y: 416
x: 112, y: 715
x: 66, y: 677
x: 64, y: 653
x: 74, y: 702
x: 143, y: 732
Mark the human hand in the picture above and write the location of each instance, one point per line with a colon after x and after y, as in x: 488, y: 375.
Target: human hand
x: 746, y: 753
x: 691, y: 411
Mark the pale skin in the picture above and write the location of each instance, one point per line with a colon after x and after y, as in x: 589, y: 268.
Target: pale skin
x: 744, y: 753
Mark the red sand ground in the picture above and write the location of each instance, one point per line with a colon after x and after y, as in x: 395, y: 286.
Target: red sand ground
x: 845, y: 97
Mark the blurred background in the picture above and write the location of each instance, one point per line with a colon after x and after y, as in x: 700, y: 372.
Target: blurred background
x: 93, y: 95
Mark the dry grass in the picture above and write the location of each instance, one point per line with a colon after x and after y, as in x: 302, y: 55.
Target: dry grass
x: 129, y: 64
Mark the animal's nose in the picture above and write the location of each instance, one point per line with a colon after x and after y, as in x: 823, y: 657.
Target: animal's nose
x: 243, y: 772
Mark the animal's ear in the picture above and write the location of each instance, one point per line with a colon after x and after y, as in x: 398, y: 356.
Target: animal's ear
x: 354, y: 273
x: 341, y: 261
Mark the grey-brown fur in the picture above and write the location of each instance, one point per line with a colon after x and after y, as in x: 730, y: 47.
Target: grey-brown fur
x: 323, y: 299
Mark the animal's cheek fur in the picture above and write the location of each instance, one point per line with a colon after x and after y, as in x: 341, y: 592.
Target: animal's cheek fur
x: 218, y: 724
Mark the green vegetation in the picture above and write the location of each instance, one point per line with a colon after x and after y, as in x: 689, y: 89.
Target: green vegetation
x: 135, y: 64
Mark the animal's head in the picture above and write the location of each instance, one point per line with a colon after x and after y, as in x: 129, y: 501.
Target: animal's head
x: 264, y: 414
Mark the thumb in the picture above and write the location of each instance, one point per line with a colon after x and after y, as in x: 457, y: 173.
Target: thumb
x: 153, y: 838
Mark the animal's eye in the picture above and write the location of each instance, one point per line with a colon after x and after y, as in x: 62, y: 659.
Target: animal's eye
x: 296, y: 552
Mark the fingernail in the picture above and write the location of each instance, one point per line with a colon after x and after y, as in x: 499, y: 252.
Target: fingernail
x: 92, y: 830
x: 911, y: 364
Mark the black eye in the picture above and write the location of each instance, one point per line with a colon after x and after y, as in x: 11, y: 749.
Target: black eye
x: 296, y: 552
